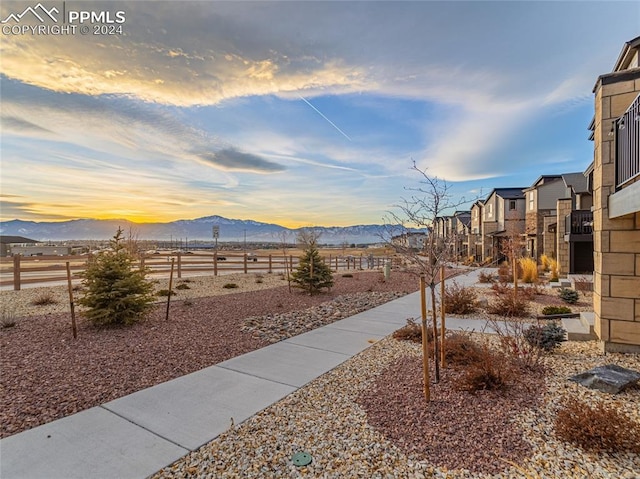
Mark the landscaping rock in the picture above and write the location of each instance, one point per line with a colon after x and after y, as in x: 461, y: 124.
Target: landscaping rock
x: 609, y: 378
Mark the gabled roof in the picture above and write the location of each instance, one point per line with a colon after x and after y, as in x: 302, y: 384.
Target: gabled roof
x: 576, y: 181
x: 542, y: 180
x: 508, y: 193
x: 15, y: 239
x: 626, y: 55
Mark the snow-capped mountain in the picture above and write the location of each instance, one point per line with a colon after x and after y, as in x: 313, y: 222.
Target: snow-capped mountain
x: 196, y: 229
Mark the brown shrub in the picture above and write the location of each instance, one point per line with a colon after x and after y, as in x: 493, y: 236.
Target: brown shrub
x: 486, y: 277
x: 412, y: 331
x: 458, y: 299
x: 508, y: 304
x: 597, y: 428
x: 44, y: 299
x: 489, y: 372
x: 460, y: 349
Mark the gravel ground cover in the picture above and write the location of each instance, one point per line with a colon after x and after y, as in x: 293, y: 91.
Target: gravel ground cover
x: 334, y: 419
x: 47, y: 375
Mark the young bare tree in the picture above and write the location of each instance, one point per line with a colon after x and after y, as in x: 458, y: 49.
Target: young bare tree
x: 420, y: 210
x: 284, y: 236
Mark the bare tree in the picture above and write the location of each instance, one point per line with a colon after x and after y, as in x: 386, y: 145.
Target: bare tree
x: 420, y: 210
x: 283, y: 236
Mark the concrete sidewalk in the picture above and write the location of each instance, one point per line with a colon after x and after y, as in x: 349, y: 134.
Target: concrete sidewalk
x: 137, y: 435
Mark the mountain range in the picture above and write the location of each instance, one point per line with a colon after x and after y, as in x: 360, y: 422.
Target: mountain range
x: 196, y: 229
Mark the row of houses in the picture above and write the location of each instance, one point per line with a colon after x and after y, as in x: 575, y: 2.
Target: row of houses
x: 552, y: 216
x: 589, y: 221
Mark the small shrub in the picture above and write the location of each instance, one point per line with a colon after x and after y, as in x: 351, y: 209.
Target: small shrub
x: 568, y: 295
x: 183, y: 286
x: 508, y: 304
x: 412, y: 331
x: 547, y: 337
x: 555, y: 272
x: 187, y: 280
x: 597, y: 428
x: 7, y: 320
x: 347, y: 275
x: 489, y: 372
x: 458, y: 299
x: 547, y: 310
x: 165, y: 292
x: 532, y: 290
x: 460, y: 349
x: 230, y: 285
x: 486, y: 277
x: 44, y: 299
x: 529, y: 270
x: 505, y: 273
x: 545, y: 261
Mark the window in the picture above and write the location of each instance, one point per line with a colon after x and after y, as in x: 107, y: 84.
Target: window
x: 512, y: 205
x: 531, y: 201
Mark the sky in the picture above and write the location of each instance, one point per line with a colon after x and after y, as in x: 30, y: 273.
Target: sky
x: 295, y: 113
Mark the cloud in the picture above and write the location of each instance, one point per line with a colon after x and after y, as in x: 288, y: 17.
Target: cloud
x: 232, y: 159
x: 18, y: 125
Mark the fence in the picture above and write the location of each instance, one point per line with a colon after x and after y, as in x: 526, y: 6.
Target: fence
x: 21, y: 270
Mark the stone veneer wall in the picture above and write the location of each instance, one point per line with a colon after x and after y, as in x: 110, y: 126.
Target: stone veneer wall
x: 562, y: 247
x: 616, y: 299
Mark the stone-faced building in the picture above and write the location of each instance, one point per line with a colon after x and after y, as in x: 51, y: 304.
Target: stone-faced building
x: 616, y: 203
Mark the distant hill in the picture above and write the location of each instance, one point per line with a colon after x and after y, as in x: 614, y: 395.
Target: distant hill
x: 196, y: 229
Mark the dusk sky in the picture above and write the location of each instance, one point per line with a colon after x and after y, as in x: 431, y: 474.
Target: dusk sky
x: 296, y: 113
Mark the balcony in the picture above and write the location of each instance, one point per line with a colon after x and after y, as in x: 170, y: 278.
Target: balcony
x: 628, y: 145
x: 579, y: 225
x: 626, y: 199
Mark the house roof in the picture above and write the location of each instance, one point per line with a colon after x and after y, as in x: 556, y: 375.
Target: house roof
x: 16, y: 239
x: 542, y: 180
x: 508, y: 193
x: 577, y: 181
x: 626, y: 55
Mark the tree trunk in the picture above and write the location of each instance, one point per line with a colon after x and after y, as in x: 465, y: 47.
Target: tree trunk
x: 435, y: 330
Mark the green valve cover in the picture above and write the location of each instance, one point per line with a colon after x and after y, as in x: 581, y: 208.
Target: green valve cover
x: 301, y: 458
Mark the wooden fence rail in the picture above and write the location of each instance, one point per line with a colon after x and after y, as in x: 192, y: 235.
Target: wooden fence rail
x: 20, y: 270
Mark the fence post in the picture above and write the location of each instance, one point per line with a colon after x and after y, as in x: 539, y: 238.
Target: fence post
x: 336, y: 264
x: 179, y: 264
x: 270, y: 270
x: 290, y: 263
x: 245, y: 263
x: 142, y: 262
x: 360, y: 261
x: 16, y: 272
x: 215, y: 264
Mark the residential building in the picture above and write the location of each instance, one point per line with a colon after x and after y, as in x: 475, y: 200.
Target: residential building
x: 616, y: 203
x: 503, y: 219
x: 574, y: 235
x: 462, y: 227
x: 541, y: 215
x: 475, y: 235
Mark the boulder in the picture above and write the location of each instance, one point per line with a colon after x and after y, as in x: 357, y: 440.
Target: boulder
x: 610, y: 378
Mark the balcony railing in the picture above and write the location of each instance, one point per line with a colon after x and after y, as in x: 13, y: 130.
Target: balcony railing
x: 627, y: 129
x: 579, y: 222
